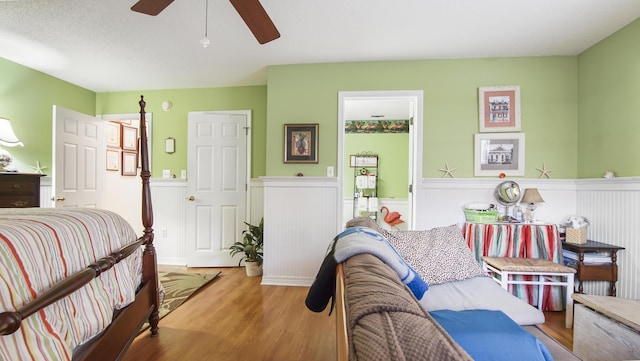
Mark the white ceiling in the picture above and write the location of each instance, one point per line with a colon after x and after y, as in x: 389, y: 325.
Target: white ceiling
x: 103, y: 46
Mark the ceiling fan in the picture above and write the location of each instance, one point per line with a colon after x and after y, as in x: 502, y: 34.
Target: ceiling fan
x: 251, y: 12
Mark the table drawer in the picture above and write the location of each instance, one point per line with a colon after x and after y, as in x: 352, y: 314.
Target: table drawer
x: 18, y: 187
x: 17, y: 201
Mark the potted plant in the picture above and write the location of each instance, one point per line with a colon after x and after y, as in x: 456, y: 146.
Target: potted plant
x: 251, y: 246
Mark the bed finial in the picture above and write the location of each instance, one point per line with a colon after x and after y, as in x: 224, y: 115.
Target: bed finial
x: 142, y: 103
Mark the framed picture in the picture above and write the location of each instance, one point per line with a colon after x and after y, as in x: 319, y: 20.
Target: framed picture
x: 301, y: 143
x: 497, y: 153
x: 113, y: 159
x: 129, y: 138
x: 499, y: 109
x: 129, y: 163
x: 113, y: 134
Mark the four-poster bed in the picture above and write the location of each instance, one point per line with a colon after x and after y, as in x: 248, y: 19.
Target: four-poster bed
x: 77, y: 283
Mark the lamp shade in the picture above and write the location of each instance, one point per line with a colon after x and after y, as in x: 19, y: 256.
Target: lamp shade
x: 532, y: 196
x: 7, y: 137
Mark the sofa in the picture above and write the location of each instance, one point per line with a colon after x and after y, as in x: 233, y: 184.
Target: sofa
x: 380, y: 316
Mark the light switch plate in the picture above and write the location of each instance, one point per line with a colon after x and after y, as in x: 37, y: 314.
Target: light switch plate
x: 330, y: 171
x: 166, y: 173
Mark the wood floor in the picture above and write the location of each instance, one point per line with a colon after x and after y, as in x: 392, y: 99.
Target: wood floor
x: 235, y: 318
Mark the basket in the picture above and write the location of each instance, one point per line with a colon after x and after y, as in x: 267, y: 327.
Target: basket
x: 576, y: 235
x: 472, y: 215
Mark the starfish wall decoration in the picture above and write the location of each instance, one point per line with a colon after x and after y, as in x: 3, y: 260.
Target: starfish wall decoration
x: 544, y: 172
x: 38, y: 168
x: 447, y: 171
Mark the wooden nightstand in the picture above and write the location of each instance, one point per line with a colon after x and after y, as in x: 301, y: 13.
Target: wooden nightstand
x: 19, y: 190
x: 595, y: 272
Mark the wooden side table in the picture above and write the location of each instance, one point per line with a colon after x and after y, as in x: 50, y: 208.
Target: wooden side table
x: 595, y: 272
x: 19, y: 190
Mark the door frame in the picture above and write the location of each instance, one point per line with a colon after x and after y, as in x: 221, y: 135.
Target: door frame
x: 415, y: 141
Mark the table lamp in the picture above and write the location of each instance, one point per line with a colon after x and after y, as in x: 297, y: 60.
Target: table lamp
x: 7, y: 139
x: 531, y: 197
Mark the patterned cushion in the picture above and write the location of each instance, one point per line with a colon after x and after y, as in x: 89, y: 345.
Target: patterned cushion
x: 439, y: 255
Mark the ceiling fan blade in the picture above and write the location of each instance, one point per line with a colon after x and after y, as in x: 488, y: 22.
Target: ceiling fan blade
x: 256, y: 19
x: 151, y: 7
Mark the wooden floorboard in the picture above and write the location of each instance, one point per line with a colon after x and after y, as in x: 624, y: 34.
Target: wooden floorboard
x: 236, y: 318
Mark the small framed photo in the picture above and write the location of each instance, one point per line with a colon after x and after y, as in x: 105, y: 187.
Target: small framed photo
x: 129, y: 138
x: 113, y: 159
x: 129, y: 163
x: 113, y: 134
x: 499, y: 108
x: 301, y: 143
x: 497, y: 153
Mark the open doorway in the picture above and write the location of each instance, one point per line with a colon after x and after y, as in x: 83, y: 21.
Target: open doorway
x: 398, y: 150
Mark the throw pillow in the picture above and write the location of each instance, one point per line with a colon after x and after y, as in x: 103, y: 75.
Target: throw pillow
x: 439, y: 255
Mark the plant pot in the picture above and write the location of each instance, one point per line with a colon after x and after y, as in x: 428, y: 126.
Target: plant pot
x: 253, y: 269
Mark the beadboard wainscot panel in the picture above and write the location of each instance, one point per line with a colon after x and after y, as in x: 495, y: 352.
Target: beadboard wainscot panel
x: 612, y: 206
x: 169, y: 198
x: 46, y: 192
x: 301, y: 218
x: 441, y: 200
x: 256, y: 201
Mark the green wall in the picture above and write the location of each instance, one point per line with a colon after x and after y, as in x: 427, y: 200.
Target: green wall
x: 393, y: 163
x: 309, y: 93
x: 609, y: 109
x: 27, y: 98
x: 173, y: 123
x: 591, y: 97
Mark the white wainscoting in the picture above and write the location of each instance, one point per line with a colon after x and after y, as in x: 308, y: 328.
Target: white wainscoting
x: 442, y: 199
x: 613, y: 208
x: 300, y: 218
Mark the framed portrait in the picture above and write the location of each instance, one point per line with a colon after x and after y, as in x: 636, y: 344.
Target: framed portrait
x: 129, y: 163
x: 497, y: 153
x: 113, y: 159
x: 301, y: 143
x: 499, y: 108
x: 129, y: 138
x: 113, y: 134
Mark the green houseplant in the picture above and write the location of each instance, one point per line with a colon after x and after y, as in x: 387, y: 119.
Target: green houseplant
x: 251, y: 246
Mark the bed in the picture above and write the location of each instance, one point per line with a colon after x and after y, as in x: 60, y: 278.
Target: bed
x: 77, y: 284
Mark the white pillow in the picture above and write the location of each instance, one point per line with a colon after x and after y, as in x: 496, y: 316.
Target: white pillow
x: 439, y: 255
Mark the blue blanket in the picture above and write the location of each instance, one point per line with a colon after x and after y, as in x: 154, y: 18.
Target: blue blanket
x: 491, y: 336
x: 357, y: 240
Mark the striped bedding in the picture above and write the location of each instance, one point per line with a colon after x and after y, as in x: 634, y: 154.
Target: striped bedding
x: 40, y: 247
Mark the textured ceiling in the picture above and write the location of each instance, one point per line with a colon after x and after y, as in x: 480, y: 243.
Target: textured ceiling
x: 103, y: 46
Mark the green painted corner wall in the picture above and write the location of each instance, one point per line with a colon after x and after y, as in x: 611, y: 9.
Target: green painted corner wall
x: 27, y: 98
x: 609, y: 111
x: 173, y: 123
x: 549, y: 103
x: 579, y: 113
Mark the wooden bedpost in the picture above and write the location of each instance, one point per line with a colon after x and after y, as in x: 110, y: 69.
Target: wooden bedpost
x: 150, y: 270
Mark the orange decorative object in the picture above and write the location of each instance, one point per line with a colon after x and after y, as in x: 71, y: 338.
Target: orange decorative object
x: 391, y: 218
x: 502, y: 175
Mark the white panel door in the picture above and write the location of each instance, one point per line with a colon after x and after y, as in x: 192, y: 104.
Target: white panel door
x: 79, y: 156
x: 216, y: 187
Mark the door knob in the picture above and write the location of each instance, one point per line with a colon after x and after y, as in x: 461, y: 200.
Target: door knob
x: 191, y: 198
x: 58, y: 199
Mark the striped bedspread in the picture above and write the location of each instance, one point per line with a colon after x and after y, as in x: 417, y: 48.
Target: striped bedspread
x: 41, y: 247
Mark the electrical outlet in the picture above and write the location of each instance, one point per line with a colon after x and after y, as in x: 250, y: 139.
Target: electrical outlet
x: 166, y: 173
x: 330, y: 171
x: 164, y: 232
